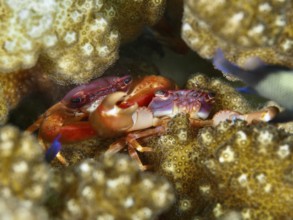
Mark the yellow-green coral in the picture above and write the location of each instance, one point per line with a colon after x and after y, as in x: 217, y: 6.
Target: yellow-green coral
x: 241, y: 28
x: 4, y: 108
x: 253, y: 166
x: 176, y: 157
x: 111, y: 188
x: 24, y: 173
x: 234, y: 166
x: 129, y: 17
x: 17, y: 85
x: 15, y: 209
x: 73, y: 40
x: 13, y: 87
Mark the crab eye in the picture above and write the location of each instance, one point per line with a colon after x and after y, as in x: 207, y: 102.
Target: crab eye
x: 127, y: 80
x: 76, y: 100
x: 212, y: 94
x: 161, y: 93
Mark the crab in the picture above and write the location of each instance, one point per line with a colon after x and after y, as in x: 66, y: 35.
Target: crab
x: 135, y: 122
x: 68, y: 120
x: 129, y: 109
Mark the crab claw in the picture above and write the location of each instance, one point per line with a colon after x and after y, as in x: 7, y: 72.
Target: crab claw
x: 109, y: 120
x: 265, y: 115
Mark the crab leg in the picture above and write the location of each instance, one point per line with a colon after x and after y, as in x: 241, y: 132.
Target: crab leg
x: 134, y: 155
x: 200, y: 123
x: 120, y: 145
x: 134, y: 145
x: 60, y: 158
x: 265, y: 115
x: 36, y: 125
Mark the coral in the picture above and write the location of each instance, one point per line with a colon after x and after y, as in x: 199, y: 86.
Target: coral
x: 176, y: 157
x: 13, y: 87
x: 234, y: 166
x: 73, y: 40
x: 111, y: 188
x: 226, y: 97
x: 86, y: 45
x: 242, y: 29
x: 4, y: 108
x: 17, y: 85
x: 287, y: 126
x: 23, y: 173
x: 253, y: 166
x: 129, y: 17
x: 12, y: 208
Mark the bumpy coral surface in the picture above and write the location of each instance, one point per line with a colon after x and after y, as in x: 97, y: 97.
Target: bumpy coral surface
x: 14, y: 209
x: 226, y: 97
x: 234, y: 166
x: 23, y: 173
x: 254, y: 163
x: 4, y: 108
x: 13, y: 87
x: 241, y: 28
x: 76, y: 40
x: 112, y: 188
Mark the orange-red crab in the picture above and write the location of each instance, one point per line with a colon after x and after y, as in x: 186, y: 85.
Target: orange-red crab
x: 110, y: 120
x: 69, y: 118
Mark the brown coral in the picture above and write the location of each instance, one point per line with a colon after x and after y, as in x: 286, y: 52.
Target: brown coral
x: 76, y: 40
x: 24, y: 173
x: 18, y: 85
x: 13, y: 87
x: 234, y: 166
x: 253, y: 166
x: 111, y: 188
x: 176, y: 157
x: 242, y: 29
x: 12, y: 208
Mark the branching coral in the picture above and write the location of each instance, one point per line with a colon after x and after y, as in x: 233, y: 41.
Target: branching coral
x: 242, y: 29
x: 13, y: 87
x: 75, y: 40
x: 24, y: 173
x: 12, y: 208
x: 112, y: 188
x: 234, y: 166
x: 129, y: 17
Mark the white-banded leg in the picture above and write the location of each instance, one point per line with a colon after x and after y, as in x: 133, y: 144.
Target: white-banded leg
x: 59, y: 156
x: 134, y: 145
x: 116, y: 146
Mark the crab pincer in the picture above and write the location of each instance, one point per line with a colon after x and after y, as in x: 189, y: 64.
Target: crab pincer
x: 109, y: 120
